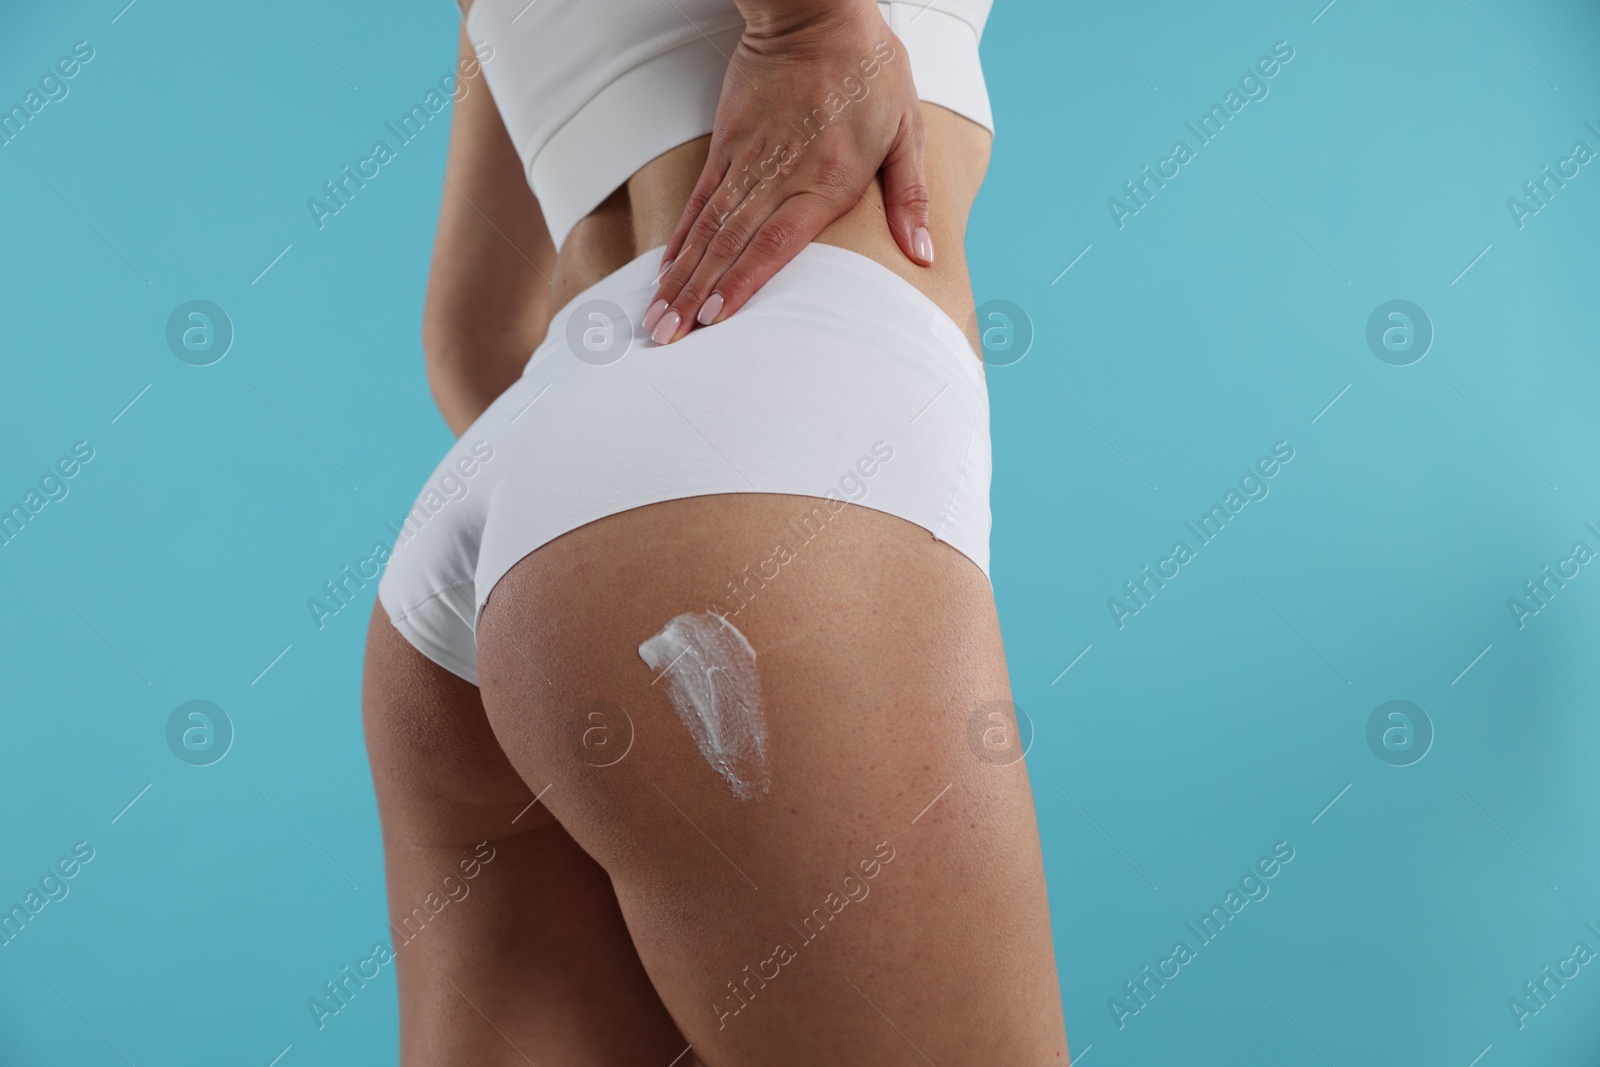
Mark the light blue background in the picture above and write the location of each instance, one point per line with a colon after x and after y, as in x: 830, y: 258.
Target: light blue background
x: 1223, y: 718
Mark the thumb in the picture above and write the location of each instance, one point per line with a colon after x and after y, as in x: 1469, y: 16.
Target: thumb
x: 905, y: 192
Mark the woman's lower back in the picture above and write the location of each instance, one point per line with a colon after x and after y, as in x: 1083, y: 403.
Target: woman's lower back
x: 641, y: 215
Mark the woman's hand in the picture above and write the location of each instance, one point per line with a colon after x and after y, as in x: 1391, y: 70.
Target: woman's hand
x: 817, y: 100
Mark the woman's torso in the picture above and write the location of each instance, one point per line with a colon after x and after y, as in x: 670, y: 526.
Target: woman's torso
x: 642, y: 213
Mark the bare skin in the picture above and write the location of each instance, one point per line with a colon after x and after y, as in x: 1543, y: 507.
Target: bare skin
x: 619, y: 907
x: 817, y: 102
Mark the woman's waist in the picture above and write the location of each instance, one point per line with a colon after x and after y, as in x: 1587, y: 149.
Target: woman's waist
x: 642, y: 215
x: 831, y: 314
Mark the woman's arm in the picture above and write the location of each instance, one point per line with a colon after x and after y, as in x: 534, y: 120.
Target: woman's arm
x: 488, y: 299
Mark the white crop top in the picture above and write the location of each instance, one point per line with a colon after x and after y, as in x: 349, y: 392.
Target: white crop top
x: 592, y: 90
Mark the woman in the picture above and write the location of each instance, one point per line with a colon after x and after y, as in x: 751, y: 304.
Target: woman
x: 667, y: 662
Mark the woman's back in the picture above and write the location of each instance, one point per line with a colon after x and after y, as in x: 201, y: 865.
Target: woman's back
x: 547, y: 113
x: 641, y: 215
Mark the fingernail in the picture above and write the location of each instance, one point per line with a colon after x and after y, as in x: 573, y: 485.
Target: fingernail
x: 708, y: 310
x: 922, y: 243
x: 654, y: 314
x: 666, y: 328
x: 666, y: 265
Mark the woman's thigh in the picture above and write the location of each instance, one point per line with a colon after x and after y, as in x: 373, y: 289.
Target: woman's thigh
x: 883, y: 900
x: 506, y: 937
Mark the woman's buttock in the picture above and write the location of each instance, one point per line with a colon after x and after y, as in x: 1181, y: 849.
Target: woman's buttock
x: 642, y: 215
x: 839, y: 849
x: 839, y: 382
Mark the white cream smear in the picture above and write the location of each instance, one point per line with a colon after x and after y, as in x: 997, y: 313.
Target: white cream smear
x: 712, y: 683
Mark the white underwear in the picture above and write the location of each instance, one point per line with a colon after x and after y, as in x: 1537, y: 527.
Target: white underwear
x: 838, y: 380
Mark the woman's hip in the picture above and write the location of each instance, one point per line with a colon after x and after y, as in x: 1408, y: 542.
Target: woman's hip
x: 839, y: 382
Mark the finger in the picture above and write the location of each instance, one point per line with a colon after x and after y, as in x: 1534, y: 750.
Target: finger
x: 789, y: 229
x: 831, y: 188
x: 708, y: 202
x: 824, y: 193
x: 705, y: 187
x: 693, y: 299
x: 905, y: 192
x: 727, y: 201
